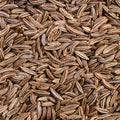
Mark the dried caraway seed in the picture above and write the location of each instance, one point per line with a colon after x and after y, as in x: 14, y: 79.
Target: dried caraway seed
x: 98, y: 23
x: 82, y: 55
x: 27, y: 70
x: 74, y: 31
x: 57, y: 3
x: 55, y: 94
x: 107, y: 84
x: 65, y: 13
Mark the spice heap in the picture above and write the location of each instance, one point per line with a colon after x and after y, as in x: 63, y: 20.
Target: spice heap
x: 59, y: 59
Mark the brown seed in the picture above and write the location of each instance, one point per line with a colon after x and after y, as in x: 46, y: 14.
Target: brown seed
x: 27, y: 70
x: 53, y: 34
x: 44, y: 112
x: 82, y: 55
x: 49, y: 7
x: 107, y: 84
x: 4, y: 31
x: 100, y: 21
x: 40, y: 32
x: 6, y: 70
x: 22, y: 116
x: 65, y: 75
x: 81, y: 10
x: 101, y: 76
x: 57, y: 3
x: 4, y: 14
x: 35, y: 23
x: 3, y: 91
x: 65, y: 13
x: 117, y: 71
x: 101, y: 110
x: 74, y: 31
x: 109, y: 48
x: 70, y: 107
x: 39, y: 109
x: 47, y: 104
x: 55, y: 94
x: 49, y: 111
x: 8, y: 61
x: 3, y: 108
x: 100, y: 50
x: 79, y: 87
x: 53, y: 114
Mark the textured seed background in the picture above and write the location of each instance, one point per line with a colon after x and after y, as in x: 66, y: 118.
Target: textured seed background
x: 59, y: 59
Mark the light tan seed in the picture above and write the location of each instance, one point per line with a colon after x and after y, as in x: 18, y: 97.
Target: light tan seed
x: 55, y: 94
x: 53, y: 58
x: 40, y: 32
x: 101, y: 76
x: 111, y: 64
x: 101, y: 110
x: 3, y: 91
x: 53, y: 114
x: 47, y: 104
x: 22, y: 116
x: 3, y: 108
x: 98, y: 23
x: 74, y: 31
x: 24, y: 89
x: 100, y: 50
x: 81, y: 10
x: 6, y: 70
x: 86, y: 29
x: 2, y: 3
x: 8, y: 75
x: 65, y: 75
x: 27, y: 70
x: 110, y: 12
x: 12, y: 36
x: 49, y: 7
x: 70, y: 107
x: 109, y: 48
x: 53, y: 33
x: 117, y: 71
x: 49, y: 113
x: 79, y: 87
x: 4, y: 31
x: 69, y: 112
x: 44, y: 112
x: 28, y: 24
x: 81, y: 55
x: 57, y: 3
x: 65, y: 13
x: 107, y: 84
x: 73, y: 117
x: 35, y: 23
x: 23, y: 15
x: 49, y: 74
x: 4, y: 14
x: 1, y: 54
x: 13, y: 103
x: 39, y: 109
x: 53, y: 46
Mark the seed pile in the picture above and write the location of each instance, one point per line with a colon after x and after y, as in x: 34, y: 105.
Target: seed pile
x: 59, y: 59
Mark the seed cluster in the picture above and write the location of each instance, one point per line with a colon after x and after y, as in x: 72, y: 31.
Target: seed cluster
x: 59, y: 59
